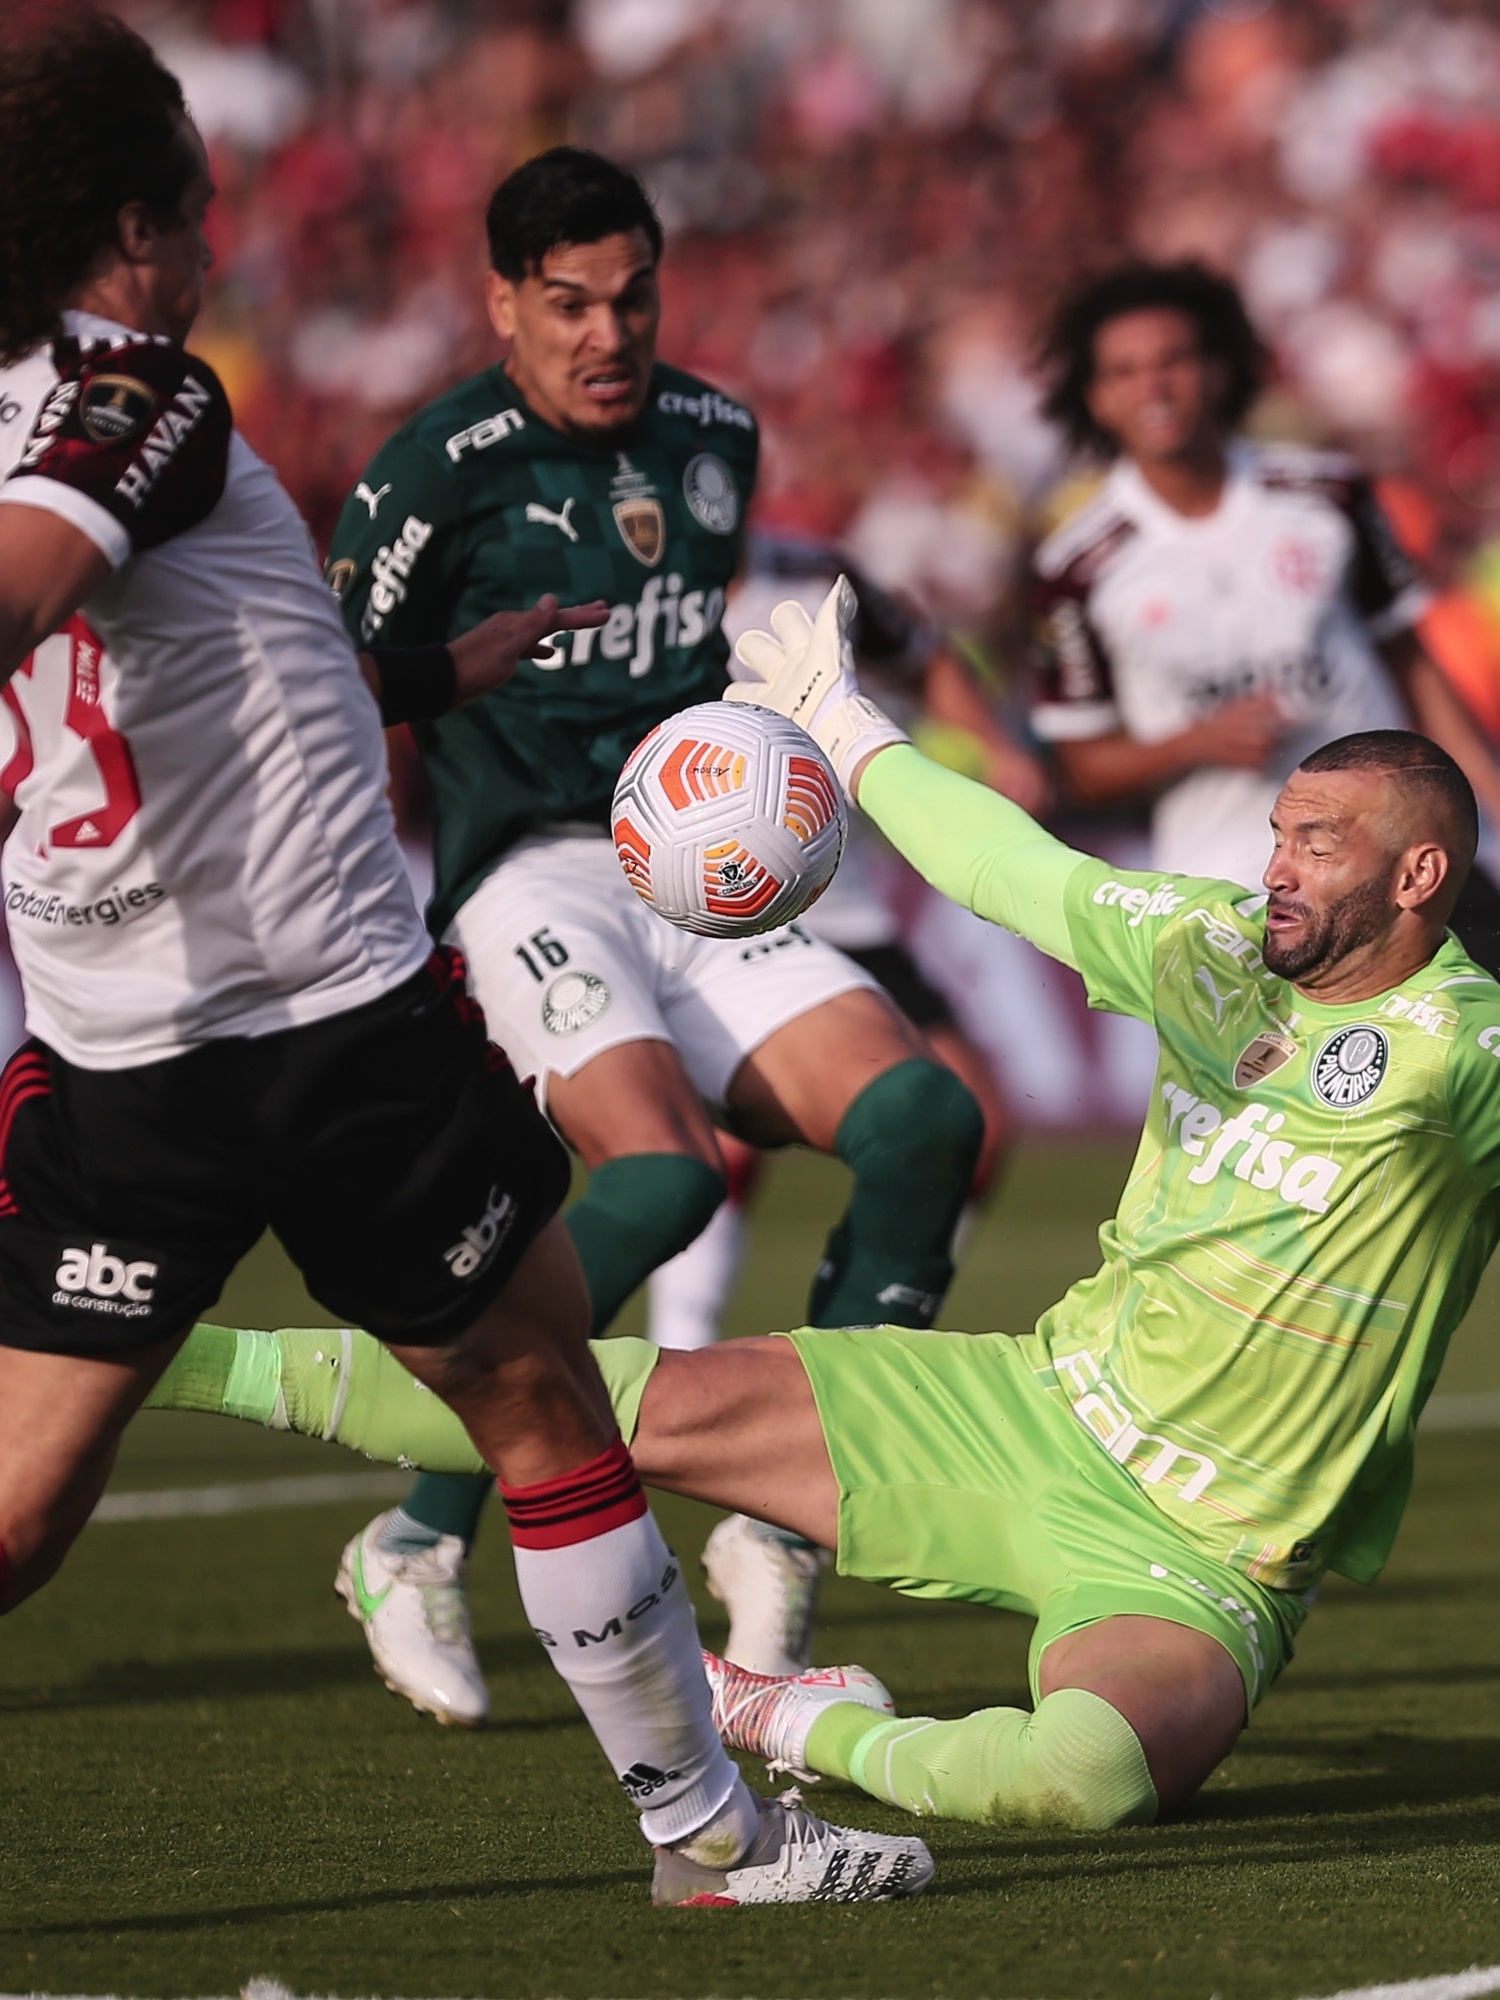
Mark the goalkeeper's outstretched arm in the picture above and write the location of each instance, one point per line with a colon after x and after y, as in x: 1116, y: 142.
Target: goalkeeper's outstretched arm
x: 973, y: 845
x: 978, y: 848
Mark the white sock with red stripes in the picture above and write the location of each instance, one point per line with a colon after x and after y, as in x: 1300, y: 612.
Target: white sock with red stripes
x: 605, y: 1596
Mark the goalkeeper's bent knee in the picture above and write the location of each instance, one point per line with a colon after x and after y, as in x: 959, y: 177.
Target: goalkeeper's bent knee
x: 1073, y: 1762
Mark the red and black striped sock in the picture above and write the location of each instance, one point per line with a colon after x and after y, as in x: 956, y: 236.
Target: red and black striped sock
x: 575, y: 1506
x: 606, y: 1598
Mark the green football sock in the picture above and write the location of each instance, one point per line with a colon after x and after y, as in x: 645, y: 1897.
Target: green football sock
x: 911, y: 1139
x: 346, y: 1388
x: 321, y: 1382
x: 1073, y: 1762
x: 635, y: 1213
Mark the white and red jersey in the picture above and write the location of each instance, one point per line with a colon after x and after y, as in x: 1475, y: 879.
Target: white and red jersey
x: 1150, y: 620
x: 205, y: 846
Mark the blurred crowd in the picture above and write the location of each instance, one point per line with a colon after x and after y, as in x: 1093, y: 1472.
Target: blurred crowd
x: 870, y: 205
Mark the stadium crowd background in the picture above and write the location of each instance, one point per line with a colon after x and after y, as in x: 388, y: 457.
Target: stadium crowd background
x: 870, y: 204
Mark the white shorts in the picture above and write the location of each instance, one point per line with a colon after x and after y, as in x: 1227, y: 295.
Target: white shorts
x: 567, y: 961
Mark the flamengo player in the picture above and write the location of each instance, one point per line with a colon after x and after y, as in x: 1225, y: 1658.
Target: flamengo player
x: 1164, y: 1469
x: 1219, y: 608
x: 582, y: 465
x: 257, y: 1035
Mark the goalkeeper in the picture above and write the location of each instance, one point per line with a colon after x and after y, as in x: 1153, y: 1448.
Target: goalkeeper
x: 1162, y: 1471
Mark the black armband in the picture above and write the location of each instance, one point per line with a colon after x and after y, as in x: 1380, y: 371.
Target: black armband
x: 416, y: 682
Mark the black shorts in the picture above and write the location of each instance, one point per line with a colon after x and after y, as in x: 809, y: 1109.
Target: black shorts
x: 901, y: 976
x: 391, y: 1149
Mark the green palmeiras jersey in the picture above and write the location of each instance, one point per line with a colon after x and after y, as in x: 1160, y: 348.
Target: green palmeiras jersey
x: 475, y: 506
x: 1314, y: 1198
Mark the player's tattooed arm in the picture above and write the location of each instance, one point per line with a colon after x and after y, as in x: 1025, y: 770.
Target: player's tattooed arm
x: 413, y: 683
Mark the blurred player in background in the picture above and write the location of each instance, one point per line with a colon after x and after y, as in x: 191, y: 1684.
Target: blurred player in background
x: 1220, y: 607
x: 238, y: 1020
x: 580, y: 464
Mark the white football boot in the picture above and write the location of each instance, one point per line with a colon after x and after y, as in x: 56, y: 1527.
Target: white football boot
x: 798, y: 1858
x: 770, y: 1590
x: 415, y: 1614
x: 770, y: 1715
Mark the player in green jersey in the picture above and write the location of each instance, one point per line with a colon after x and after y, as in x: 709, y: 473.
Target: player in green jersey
x: 1163, y: 1470
x: 583, y: 466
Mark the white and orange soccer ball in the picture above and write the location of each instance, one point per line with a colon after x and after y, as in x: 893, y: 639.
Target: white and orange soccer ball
x: 728, y: 820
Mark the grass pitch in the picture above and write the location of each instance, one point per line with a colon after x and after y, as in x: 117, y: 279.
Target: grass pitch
x: 201, y: 1780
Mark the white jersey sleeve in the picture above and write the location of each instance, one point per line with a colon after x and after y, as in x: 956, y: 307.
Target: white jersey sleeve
x: 205, y: 845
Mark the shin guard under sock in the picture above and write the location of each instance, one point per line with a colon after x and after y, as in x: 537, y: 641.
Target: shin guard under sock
x: 911, y: 1139
x: 1073, y: 1762
x: 605, y: 1596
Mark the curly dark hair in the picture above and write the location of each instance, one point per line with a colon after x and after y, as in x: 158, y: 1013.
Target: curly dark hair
x: 1066, y: 356
x: 565, y: 195
x: 89, y: 120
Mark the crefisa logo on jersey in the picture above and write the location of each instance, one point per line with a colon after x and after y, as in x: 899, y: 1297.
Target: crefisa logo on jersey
x: 1349, y: 1067
x: 712, y: 496
x: 114, y: 407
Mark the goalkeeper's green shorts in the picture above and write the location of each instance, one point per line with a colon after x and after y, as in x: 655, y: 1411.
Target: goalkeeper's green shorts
x: 960, y: 1476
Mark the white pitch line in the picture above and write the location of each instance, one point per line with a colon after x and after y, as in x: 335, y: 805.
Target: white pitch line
x: 252, y: 1496
x: 1442, y: 1986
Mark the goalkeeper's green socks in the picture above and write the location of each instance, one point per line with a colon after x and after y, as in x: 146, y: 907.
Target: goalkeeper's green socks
x: 344, y: 1387
x: 322, y: 1382
x: 1073, y: 1762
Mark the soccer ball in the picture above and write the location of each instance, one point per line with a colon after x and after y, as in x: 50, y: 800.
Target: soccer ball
x: 728, y: 820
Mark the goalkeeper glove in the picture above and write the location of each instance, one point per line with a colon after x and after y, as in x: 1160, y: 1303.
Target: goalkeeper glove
x: 804, y: 669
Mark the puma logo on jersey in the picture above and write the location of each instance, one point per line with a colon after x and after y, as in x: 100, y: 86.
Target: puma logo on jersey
x: 371, y: 500
x: 85, y: 1277
x: 476, y: 1248
x: 1218, y: 1000
x: 535, y: 511
x: 1205, y: 1135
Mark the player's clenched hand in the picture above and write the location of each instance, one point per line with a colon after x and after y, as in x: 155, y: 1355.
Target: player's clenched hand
x: 487, y: 656
x: 804, y: 669
x: 1242, y: 734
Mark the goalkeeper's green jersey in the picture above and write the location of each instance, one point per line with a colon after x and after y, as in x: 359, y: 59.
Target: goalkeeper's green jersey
x: 1311, y: 1206
x: 476, y: 505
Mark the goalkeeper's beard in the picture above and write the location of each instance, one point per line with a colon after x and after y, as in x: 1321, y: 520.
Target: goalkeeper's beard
x: 1327, y: 937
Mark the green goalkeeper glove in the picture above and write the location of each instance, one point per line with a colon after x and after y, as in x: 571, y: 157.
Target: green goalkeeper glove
x: 804, y: 669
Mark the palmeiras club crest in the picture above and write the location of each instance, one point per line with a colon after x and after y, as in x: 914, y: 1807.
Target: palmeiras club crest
x: 1350, y: 1066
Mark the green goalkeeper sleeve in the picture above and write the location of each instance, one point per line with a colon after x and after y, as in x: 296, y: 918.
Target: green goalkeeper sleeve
x: 974, y: 846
